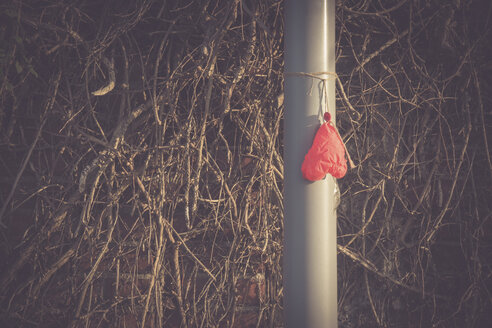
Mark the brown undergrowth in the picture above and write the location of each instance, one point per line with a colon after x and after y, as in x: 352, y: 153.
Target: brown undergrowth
x: 141, y: 158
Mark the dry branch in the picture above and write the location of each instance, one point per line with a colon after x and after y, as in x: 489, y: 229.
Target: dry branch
x: 164, y: 205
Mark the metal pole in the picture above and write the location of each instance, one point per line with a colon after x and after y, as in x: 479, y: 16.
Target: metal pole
x: 310, y: 253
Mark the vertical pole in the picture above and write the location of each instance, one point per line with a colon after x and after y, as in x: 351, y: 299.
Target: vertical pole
x: 310, y: 253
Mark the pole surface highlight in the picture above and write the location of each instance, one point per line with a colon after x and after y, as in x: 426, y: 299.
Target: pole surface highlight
x: 310, y: 252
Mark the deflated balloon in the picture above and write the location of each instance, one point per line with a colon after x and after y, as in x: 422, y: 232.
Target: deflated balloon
x: 326, y: 155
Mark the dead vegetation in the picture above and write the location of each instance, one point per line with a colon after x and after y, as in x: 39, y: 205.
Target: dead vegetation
x: 416, y: 211
x: 141, y: 151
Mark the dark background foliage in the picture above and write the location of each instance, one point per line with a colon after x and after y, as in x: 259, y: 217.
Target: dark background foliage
x: 159, y: 203
x: 417, y: 208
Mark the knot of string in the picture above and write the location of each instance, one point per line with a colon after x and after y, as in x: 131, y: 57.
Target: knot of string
x: 322, y: 77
